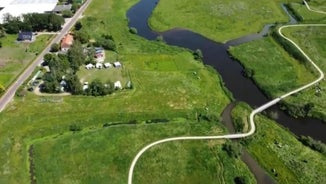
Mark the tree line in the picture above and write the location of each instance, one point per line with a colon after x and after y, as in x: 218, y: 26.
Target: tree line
x: 32, y: 22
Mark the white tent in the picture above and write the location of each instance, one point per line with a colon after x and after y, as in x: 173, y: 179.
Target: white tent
x: 117, y: 85
x: 117, y: 64
x: 107, y: 65
x: 89, y: 66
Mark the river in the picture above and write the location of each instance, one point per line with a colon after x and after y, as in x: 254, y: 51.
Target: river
x: 216, y: 55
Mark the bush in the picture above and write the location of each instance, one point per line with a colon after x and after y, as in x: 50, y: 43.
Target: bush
x: 198, y: 55
x: 233, y: 149
x: 54, y: 47
x: 75, y: 128
x: 313, y: 144
x: 133, y: 30
x: 67, y: 14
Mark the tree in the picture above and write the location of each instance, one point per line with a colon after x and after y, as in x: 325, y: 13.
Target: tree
x: 78, y: 25
x: 76, y: 56
x: 96, y: 88
x: 73, y: 85
x: 0, y: 44
x: 67, y: 14
x: 54, y: 47
x: 81, y: 36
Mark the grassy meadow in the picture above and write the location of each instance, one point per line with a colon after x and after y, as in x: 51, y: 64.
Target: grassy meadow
x: 278, y: 73
x: 295, y: 162
x: 104, y: 156
x: 306, y: 16
x: 312, y: 40
x: 168, y: 84
x: 16, y: 56
x: 274, y: 70
x: 217, y: 19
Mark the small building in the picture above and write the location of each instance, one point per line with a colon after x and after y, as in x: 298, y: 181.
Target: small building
x: 99, y: 65
x: 85, y: 86
x: 117, y: 85
x: 62, y: 7
x: 107, y: 65
x: 117, y: 64
x: 26, y: 36
x: 67, y: 42
x: 89, y: 66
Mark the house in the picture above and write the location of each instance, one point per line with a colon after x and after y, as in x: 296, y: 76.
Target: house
x: 107, y: 65
x: 99, y: 65
x: 26, y: 36
x: 67, y: 42
x: 117, y: 85
x: 117, y: 64
x: 89, y: 66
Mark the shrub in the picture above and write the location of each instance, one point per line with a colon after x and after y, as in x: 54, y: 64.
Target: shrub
x: 198, y: 55
x: 54, y: 47
x: 75, y: 128
x: 133, y: 30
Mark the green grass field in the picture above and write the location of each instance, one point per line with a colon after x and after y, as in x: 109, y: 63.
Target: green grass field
x: 275, y: 71
x: 312, y: 40
x: 295, y: 162
x: 16, y: 56
x: 104, y: 156
x: 217, y: 19
x: 168, y: 90
x: 309, y: 16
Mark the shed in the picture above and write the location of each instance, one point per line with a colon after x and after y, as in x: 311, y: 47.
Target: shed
x: 89, y: 66
x: 117, y: 64
x: 25, y: 36
x: 107, y: 65
x: 62, y: 7
x: 99, y: 65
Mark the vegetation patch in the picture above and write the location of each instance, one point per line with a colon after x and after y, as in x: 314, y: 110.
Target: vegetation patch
x: 161, y: 91
x: 280, y: 153
x: 217, y: 19
x: 105, y: 156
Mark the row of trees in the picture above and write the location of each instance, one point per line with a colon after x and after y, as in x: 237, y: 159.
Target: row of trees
x: 32, y: 22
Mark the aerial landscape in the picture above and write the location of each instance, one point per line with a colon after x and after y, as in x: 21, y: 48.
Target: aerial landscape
x: 162, y: 91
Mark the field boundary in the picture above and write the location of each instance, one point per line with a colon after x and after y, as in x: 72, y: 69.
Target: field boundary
x: 253, y: 113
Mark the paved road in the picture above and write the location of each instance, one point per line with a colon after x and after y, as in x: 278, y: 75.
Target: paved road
x: 252, y: 114
x: 10, y: 92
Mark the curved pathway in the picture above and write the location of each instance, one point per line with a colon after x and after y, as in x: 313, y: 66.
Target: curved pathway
x: 253, y: 113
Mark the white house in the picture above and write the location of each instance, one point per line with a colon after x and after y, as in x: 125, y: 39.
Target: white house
x: 89, y: 66
x: 117, y: 85
x: 107, y: 65
x: 99, y: 65
x: 117, y: 64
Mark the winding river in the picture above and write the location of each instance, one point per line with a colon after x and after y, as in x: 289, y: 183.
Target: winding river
x: 216, y: 55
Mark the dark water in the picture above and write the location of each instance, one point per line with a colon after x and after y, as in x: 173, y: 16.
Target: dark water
x: 259, y: 173
x: 216, y: 55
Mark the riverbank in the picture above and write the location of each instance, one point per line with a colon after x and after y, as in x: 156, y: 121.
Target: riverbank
x: 295, y: 162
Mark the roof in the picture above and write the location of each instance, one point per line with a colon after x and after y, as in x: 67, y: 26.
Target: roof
x: 117, y: 85
x: 25, y: 36
x: 62, y: 7
x: 67, y: 41
x: 18, y: 7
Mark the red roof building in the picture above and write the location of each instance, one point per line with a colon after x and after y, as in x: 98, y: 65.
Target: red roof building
x: 66, y: 42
